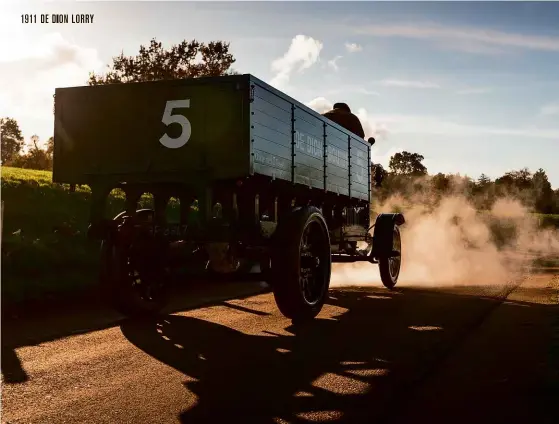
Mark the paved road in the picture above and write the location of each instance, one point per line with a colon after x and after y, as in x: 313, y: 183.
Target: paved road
x: 448, y: 355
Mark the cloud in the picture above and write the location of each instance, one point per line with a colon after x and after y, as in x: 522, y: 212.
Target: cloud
x: 33, y: 70
x: 366, y: 91
x: 332, y: 63
x: 320, y: 105
x: 302, y: 53
x: 550, y: 109
x: 377, y: 156
x: 463, y: 38
x: 434, y: 125
x: 408, y: 84
x: 469, y: 46
x: 371, y: 126
x: 382, y: 126
x: 353, y: 47
x: 480, y: 90
x: 352, y: 89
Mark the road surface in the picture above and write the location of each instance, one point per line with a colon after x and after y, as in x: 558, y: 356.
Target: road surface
x: 452, y: 355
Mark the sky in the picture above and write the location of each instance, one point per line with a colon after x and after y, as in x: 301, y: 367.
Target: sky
x: 472, y: 86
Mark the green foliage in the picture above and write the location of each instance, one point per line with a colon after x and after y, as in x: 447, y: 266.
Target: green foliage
x: 36, y: 158
x: 441, y: 183
x: 13, y: 143
x: 44, y: 244
x: 378, y: 174
x: 483, y: 181
x: 188, y: 59
x: 11, y: 140
x: 406, y: 163
x: 408, y: 178
x: 515, y: 179
x: 45, y: 250
x: 548, y: 220
x: 544, y: 195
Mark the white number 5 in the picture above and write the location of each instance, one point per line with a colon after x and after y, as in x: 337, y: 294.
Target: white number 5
x: 169, y: 118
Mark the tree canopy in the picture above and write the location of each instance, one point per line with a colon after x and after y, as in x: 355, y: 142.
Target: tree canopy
x: 188, y: 59
x: 406, y: 163
x: 36, y: 157
x: 11, y: 139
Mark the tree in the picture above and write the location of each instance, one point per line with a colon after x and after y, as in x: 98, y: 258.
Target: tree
x: 543, y: 193
x: 189, y: 59
x: 11, y: 139
x: 378, y: 174
x: 520, y: 180
x: 35, y: 158
x: 406, y: 163
x: 556, y: 201
x: 440, y: 183
x: 483, y: 181
x: 50, y: 146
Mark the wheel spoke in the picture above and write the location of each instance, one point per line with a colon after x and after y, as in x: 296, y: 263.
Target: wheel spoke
x: 141, y: 277
x: 395, y: 261
x: 311, y: 278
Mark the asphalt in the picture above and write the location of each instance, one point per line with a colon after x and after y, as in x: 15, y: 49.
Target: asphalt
x: 455, y: 354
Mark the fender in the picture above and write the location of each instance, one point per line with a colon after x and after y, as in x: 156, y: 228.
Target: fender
x: 383, y: 233
x: 102, y: 229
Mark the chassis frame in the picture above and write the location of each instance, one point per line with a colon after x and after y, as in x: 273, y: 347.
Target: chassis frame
x: 255, y: 219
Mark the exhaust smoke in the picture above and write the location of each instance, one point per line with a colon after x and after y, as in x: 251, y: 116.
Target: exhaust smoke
x: 446, y: 241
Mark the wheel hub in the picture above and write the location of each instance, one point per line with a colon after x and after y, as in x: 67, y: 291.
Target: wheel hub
x: 309, y: 262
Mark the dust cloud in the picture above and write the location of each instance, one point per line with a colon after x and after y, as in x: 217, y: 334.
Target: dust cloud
x: 446, y: 241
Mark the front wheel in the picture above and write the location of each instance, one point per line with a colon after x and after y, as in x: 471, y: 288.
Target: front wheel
x: 301, y: 264
x: 389, y: 266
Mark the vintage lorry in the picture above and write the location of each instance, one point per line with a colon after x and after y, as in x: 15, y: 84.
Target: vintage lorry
x: 260, y: 177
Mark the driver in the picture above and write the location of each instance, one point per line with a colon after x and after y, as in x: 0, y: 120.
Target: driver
x: 341, y: 115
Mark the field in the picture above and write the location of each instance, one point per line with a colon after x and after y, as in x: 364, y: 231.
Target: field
x: 44, y: 248
x: 550, y: 220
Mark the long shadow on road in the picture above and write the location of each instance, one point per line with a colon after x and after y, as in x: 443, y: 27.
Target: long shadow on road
x: 354, y: 367
x: 84, y: 318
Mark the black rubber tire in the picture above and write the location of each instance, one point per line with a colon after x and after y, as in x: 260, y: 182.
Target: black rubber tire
x: 285, y: 273
x: 389, y: 276
x: 115, y: 281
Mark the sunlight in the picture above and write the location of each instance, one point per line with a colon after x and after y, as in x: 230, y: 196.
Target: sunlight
x: 303, y: 394
x: 340, y: 384
x: 369, y: 372
x: 321, y: 416
x: 378, y: 296
x: 425, y: 328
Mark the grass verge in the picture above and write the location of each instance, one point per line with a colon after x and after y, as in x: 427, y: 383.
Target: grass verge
x: 45, y: 252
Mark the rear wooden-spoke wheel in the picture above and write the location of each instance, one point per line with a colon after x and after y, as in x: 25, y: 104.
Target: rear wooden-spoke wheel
x: 134, y: 277
x: 301, y: 264
x: 312, y: 255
